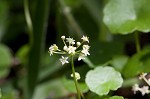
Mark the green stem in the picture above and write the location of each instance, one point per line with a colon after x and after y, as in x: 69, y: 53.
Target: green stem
x: 75, y: 81
x: 137, y: 42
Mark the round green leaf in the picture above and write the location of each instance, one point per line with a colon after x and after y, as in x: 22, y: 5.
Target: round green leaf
x: 70, y: 85
x: 103, y: 79
x: 116, y: 97
x: 118, y: 62
x: 5, y: 60
x: 126, y: 16
x: 5, y: 57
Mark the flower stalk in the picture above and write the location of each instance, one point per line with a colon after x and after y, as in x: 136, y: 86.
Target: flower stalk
x: 74, y: 77
x: 71, y: 49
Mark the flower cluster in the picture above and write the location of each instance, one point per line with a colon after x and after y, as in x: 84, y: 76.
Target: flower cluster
x: 71, y: 48
x: 145, y: 89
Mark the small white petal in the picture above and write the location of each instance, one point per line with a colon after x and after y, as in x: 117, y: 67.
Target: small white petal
x: 144, y: 90
x: 71, y: 50
x: 65, y: 48
x: 86, y: 47
x: 77, y: 75
x: 85, y: 52
x: 70, y: 40
x: 85, y: 38
x: 81, y: 56
x: 52, y: 49
x: 73, y: 43
x: 62, y: 37
x: 64, y: 60
x: 78, y: 43
x: 135, y: 88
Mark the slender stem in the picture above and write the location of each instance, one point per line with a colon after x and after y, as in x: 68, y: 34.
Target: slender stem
x: 75, y: 81
x: 137, y: 42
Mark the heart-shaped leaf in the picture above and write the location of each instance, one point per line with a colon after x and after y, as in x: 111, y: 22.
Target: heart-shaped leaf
x: 103, y: 79
x: 126, y: 16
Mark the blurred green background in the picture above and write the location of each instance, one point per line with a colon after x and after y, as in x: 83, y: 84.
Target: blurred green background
x: 26, y: 69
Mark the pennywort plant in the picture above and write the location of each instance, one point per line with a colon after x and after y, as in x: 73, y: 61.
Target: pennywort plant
x: 71, y: 49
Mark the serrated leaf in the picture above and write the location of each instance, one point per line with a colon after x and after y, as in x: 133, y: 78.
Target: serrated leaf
x: 103, y: 79
x: 116, y: 97
x: 126, y: 16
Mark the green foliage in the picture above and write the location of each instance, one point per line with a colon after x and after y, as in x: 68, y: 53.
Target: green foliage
x: 8, y: 92
x: 104, y: 51
x: 118, y: 62
x: 51, y: 89
x: 137, y: 63
x: 5, y: 60
x: 116, y: 97
x: 3, y: 17
x: 22, y: 54
x: 127, y: 16
x: 24, y: 47
x: 103, y: 79
x: 69, y: 84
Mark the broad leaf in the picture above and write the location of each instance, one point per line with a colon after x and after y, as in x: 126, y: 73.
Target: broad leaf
x: 70, y: 85
x: 116, y: 97
x: 126, y: 16
x: 52, y: 89
x: 5, y: 60
x: 103, y: 79
x: 137, y: 63
x: 119, y: 62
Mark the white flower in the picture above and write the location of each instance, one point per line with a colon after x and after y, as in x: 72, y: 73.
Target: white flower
x: 85, y: 52
x: 144, y: 90
x: 81, y: 56
x: 63, y: 37
x: 73, y: 43
x: 71, y: 49
x: 142, y: 76
x: 65, y: 48
x: 77, y: 75
x: 87, y: 47
x: 85, y: 38
x: 52, y: 49
x: 135, y: 88
x: 78, y: 43
x: 64, y: 60
x: 70, y: 40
